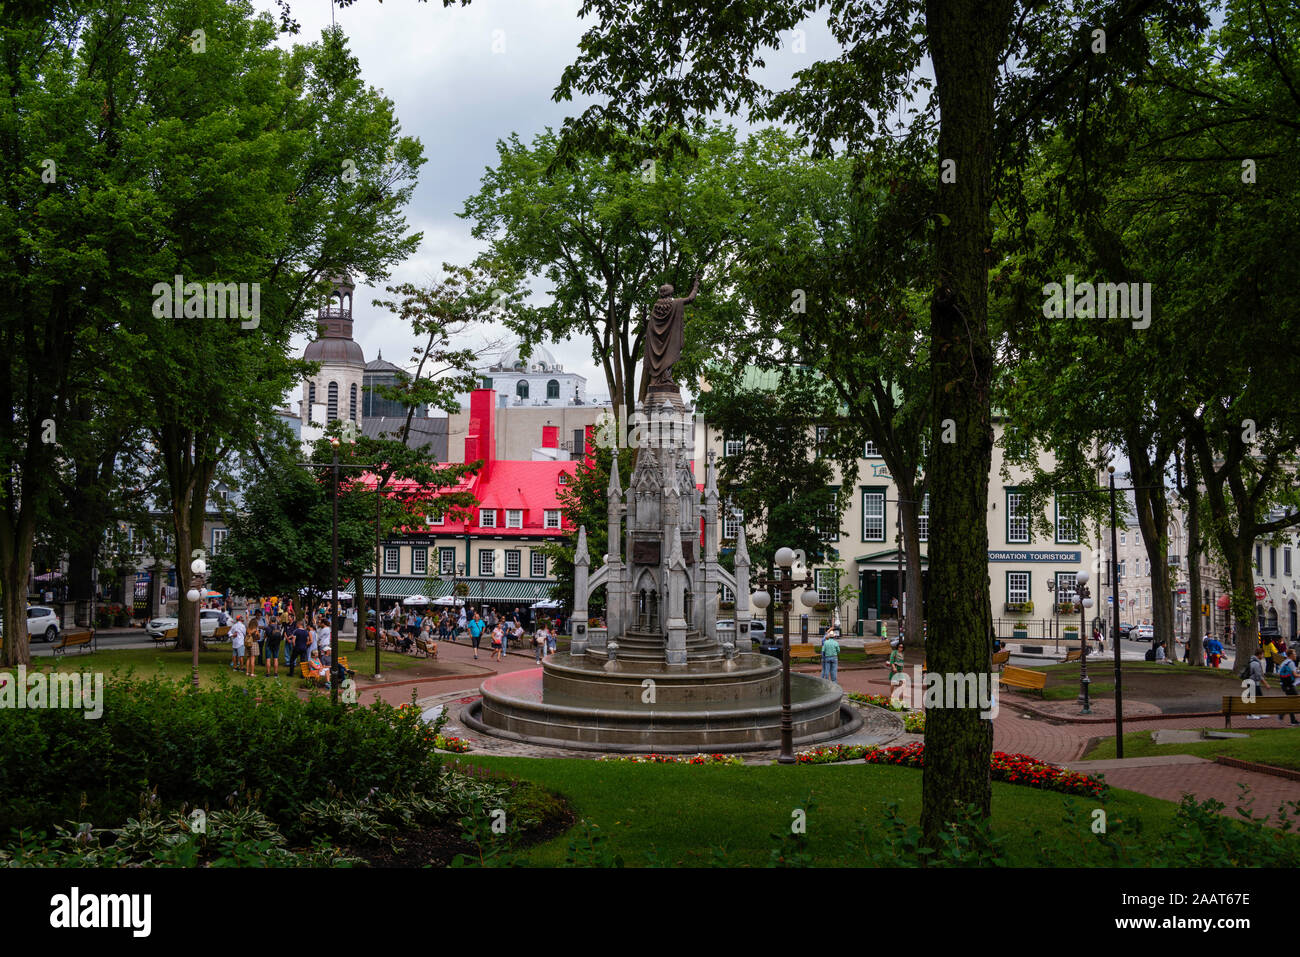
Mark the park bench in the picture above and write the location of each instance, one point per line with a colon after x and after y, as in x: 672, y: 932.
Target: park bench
x: 803, y: 651
x: 221, y: 633
x: 428, y: 649
x: 171, y: 634
x: 1001, y: 657
x: 1023, y: 678
x: 84, y: 638
x: 1073, y: 655
x: 876, y: 648
x: 1282, y: 704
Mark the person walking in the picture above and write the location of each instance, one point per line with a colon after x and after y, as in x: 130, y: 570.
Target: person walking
x: 475, y: 628
x: 237, y: 632
x: 300, y: 645
x: 271, y: 647
x: 1286, y: 674
x: 497, y: 639
x: 253, y: 649
x: 831, y: 656
x: 540, y: 642
x: 895, y: 661
x: 1255, y: 675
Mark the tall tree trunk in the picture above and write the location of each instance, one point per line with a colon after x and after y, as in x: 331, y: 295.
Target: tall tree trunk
x: 1241, y: 578
x: 15, y: 559
x: 909, y: 518
x: 966, y: 42
x: 1193, y: 495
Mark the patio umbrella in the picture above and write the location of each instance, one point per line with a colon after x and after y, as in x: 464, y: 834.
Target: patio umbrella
x: 415, y: 600
x: 211, y: 594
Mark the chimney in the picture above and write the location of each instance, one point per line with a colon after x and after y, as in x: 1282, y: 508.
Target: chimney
x: 550, y: 436
x: 480, y: 440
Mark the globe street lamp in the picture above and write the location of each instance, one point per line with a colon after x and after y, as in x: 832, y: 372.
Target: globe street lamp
x: 199, y: 568
x: 784, y: 583
x: 1085, y: 602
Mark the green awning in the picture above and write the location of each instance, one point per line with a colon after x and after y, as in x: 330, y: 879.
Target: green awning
x: 496, y: 589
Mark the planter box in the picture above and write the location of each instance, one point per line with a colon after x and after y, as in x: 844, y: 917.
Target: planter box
x: 1019, y: 634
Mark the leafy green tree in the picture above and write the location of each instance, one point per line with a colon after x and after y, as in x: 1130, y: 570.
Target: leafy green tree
x: 783, y: 479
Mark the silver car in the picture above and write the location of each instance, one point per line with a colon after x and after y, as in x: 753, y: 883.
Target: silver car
x: 209, y: 618
x: 42, y: 623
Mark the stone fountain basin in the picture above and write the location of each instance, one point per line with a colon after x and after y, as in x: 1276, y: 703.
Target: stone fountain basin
x: 702, y: 706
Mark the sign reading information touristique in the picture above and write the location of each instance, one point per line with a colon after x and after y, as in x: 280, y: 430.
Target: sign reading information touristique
x: 1035, y: 556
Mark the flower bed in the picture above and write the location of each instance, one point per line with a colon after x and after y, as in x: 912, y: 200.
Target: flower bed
x: 447, y: 743
x: 673, y: 758
x: 1009, y: 768
x: 878, y: 701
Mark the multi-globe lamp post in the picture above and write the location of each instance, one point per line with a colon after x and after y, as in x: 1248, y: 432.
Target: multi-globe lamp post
x: 1085, y: 602
x: 199, y: 568
x: 784, y: 583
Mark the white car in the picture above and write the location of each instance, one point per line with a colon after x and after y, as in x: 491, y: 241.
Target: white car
x: 42, y: 623
x: 1142, y: 633
x: 209, y: 618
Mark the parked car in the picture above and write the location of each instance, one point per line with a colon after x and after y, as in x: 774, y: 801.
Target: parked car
x: 1142, y: 633
x: 42, y: 623
x: 1124, y: 629
x: 209, y: 618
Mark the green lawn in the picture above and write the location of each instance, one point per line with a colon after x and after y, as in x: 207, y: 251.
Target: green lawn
x: 680, y: 814
x: 1269, y: 743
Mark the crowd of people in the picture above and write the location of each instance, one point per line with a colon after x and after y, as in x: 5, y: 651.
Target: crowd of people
x: 402, y: 629
x: 271, y: 632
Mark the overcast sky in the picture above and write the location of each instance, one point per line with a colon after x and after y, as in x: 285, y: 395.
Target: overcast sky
x: 458, y: 96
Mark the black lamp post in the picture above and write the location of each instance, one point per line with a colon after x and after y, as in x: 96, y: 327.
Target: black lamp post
x: 784, y: 584
x: 1085, y: 602
x: 454, y: 576
x: 195, y: 595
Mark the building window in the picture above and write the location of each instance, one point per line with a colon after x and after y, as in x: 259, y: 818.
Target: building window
x: 446, y: 561
x: 514, y: 518
x: 1066, y: 586
x: 1286, y: 560
x: 419, y: 561
x: 486, y: 383
x: 1123, y: 568
x: 514, y: 559
x: 1067, y: 524
x: 521, y: 389
x: 1123, y: 538
x: 1017, y: 519
x: 537, y: 565
x: 332, y: 403
x: 923, y: 520
x: 553, y: 389
x: 390, y: 561
x: 487, y: 518
x: 731, y: 523
x: 828, y: 585
x: 311, y: 397
x: 869, y: 451
x: 435, y: 519
x: 564, y: 478
x: 726, y: 594
x: 552, y: 518
x: 352, y: 403
x: 218, y: 539
x: 826, y: 521
x: 1017, y: 587
x: 823, y: 437
x: 873, y: 515
x: 487, y: 563
x: 1272, y: 562
x: 732, y: 447
x: 1259, y: 559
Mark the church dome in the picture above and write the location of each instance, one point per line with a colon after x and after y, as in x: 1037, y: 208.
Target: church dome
x: 540, y: 360
x: 330, y: 349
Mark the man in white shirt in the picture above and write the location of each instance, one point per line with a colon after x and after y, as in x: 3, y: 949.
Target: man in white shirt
x: 323, y: 640
x: 237, y: 632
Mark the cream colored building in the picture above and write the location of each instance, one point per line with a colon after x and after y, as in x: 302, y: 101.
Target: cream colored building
x: 1028, y: 573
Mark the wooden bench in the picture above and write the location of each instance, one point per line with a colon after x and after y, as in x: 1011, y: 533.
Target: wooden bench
x: 1023, y: 678
x: 876, y: 648
x: 304, y: 669
x: 1278, y: 705
x: 221, y: 634
x: 427, y: 649
x: 1073, y: 655
x: 1001, y: 657
x: 171, y: 634
x: 803, y: 651
x: 83, y: 638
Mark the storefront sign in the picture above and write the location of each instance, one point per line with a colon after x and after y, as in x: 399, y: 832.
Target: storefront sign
x: 1060, y: 558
